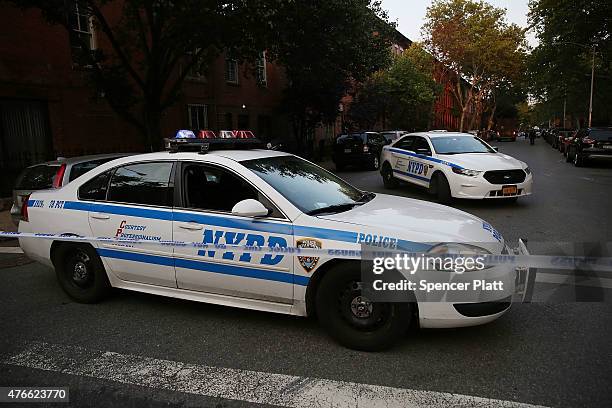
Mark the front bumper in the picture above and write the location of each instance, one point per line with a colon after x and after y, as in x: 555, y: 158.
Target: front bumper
x: 477, y: 188
x: 464, y: 314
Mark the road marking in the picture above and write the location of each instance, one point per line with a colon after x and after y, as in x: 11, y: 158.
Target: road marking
x: 229, y: 383
x: 11, y: 250
x: 572, y: 280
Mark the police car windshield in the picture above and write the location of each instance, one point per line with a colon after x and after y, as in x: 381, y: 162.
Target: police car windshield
x: 459, y: 144
x: 310, y: 188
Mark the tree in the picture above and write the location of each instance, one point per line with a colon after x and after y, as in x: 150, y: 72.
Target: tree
x: 560, y: 66
x: 326, y: 47
x: 476, y: 45
x: 400, y: 96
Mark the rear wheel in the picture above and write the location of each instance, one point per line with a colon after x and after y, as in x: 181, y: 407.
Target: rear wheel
x: 351, y: 318
x: 389, y: 180
x: 81, y: 274
x: 440, y: 188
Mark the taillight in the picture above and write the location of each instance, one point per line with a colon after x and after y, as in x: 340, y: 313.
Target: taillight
x: 59, y: 176
x: 366, y: 148
x: 24, y: 208
x: 588, y: 140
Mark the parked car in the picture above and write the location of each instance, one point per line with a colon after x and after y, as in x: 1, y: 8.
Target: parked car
x: 362, y: 149
x: 53, y: 174
x: 559, y: 135
x: 392, y: 135
x: 587, y: 144
x: 564, y: 140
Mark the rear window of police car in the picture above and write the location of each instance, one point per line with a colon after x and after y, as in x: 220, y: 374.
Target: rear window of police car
x: 37, y: 177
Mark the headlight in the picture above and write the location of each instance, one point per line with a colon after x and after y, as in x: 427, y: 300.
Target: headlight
x: 466, y: 172
x: 527, y: 170
x: 455, y: 251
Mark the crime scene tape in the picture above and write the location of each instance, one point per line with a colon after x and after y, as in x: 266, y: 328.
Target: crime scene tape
x: 370, y: 253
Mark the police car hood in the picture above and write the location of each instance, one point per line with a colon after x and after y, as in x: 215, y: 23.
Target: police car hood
x: 484, y: 161
x: 420, y: 221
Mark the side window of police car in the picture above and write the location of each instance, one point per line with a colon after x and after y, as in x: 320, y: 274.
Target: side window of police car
x: 213, y: 188
x: 95, y: 189
x: 421, y: 146
x: 142, y: 183
x: 405, y: 143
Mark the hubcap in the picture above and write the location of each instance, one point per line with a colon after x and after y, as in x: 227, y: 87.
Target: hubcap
x: 81, y: 275
x: 361, y: 307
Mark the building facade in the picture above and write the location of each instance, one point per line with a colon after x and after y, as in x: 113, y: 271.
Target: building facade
x: 48, y: 107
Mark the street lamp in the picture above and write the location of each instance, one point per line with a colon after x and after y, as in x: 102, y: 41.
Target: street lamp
x: 592, y: 47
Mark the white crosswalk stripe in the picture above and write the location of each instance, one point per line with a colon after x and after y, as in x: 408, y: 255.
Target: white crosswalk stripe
x: 228, y: 383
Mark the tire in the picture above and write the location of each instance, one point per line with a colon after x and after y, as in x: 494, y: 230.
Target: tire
x: 440, y: 188
x: 338, y: 301
x: 578, y: 160
x: 568, y: 155
x: 389, y: 181
x: 375, y: 164
x: 80, y: 273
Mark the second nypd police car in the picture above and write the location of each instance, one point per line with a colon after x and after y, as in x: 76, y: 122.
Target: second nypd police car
x: 457, y: 165
x: 255, y: 198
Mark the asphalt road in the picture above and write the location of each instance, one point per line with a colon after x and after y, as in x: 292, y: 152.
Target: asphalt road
x: 546, y: 354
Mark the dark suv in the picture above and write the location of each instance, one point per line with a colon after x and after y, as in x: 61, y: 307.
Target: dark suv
x: 592, y: 143
x: 361, y: 149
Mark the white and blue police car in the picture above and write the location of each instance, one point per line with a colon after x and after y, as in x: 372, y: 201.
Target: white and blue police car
x: 243, y: 195
x: 458, y: 165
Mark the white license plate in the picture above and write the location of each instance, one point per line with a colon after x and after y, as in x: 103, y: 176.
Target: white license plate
x: 347, y: 150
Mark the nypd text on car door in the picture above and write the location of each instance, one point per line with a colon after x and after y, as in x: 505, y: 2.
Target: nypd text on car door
x: 208, y: 194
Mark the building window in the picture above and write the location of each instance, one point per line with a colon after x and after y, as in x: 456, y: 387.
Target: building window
x: 197, y: 72
x: 198, y: 117
x: 231, y: 71
x: 82, y: 35
x: 262, y: 75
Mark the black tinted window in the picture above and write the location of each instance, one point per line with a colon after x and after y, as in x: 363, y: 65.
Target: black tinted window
x: 143, y: 183
x: 420, y: 143
x: 95, y: 189
x: 37, y: 177
x: 79, y: 169
x: 216, y: 189
x: 600, y: 134
x: 405, y: 143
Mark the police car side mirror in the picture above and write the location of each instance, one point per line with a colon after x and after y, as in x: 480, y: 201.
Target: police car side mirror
x: 495, y: 148
x: 425, y: 152
x: 250, y: 208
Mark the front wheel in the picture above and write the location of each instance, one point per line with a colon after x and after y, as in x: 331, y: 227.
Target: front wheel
x: 81, y: 274
x: 568, y: 155
x: 389, y: 180
x: 351, y: 318
x: 439, y: 187
x: 578, y: 160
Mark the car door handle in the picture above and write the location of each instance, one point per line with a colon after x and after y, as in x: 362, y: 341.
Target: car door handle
x: 191, y: 226
x: 100, y: 216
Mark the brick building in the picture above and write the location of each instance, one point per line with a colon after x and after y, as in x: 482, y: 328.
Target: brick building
x: 48, y: 108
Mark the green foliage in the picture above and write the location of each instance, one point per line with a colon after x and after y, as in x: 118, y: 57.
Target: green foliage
x: 560, y: 66
x: 400, y: 97
x: 476, y: 45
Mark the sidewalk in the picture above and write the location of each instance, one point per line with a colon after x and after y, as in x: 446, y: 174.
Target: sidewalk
x: 6, y: 224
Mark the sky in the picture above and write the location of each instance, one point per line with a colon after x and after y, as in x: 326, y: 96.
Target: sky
x: 409, y: 15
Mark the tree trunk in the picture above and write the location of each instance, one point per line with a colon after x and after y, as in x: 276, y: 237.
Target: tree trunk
x: 490, y: 122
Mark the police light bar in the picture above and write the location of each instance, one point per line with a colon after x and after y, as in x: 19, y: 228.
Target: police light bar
x: 184, y: 134
x: 202, y: 145
x: 206, y: 134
